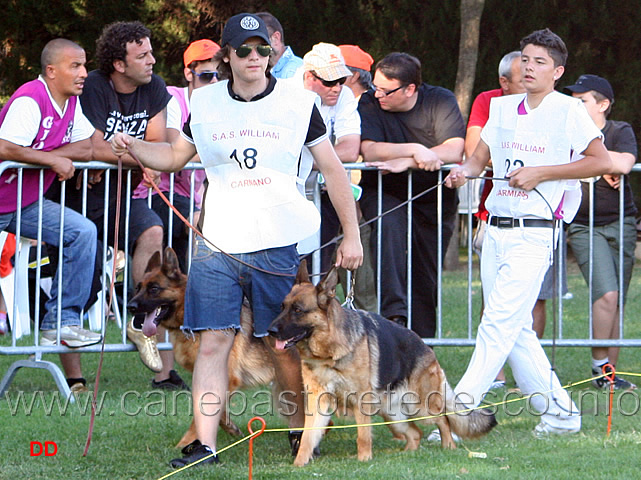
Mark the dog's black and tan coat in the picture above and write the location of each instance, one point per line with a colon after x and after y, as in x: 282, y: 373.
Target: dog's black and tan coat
x: 369, y: 365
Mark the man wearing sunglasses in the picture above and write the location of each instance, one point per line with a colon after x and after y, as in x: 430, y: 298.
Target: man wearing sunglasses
x: 324, y: 73
x: 408, y: 124
x: 200, y: 70
x: 249, y: 132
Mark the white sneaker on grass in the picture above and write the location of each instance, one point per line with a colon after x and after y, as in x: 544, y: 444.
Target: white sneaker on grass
x: 435, y: 436
x: 545, y: 430
x: 72, y: 337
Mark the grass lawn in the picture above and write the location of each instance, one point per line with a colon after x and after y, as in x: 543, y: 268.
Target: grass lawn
x: 137, y: 428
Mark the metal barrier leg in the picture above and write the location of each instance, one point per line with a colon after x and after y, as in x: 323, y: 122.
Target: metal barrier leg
x: 55, y: 371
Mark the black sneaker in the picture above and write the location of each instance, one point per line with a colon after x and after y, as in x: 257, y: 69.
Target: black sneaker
x: 604, y: 382
x: 174, y: 382
x: 294, y: 442
x: 199, y: 452
x: 188, y: 449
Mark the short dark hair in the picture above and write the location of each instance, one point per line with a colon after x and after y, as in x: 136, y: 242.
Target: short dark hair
x: 112, y: 43
x: 549, y: 40
x: 272, y: 24
x: 364, y: 77
x: 402, y: 67
x: 52, y: 50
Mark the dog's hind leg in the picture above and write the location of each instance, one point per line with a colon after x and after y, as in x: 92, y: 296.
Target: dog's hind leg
x: 406, y: 431
x: 188, y: 437
x: 228, y: 425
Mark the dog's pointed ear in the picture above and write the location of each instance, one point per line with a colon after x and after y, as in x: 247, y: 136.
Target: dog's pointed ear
x: 154, y: 262
x: 326, y: 289
x: 170, y: 263
x: 302, y: 276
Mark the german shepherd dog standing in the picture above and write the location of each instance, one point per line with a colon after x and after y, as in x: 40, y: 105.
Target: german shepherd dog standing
x: 369, y: 365
x: 161, y: 297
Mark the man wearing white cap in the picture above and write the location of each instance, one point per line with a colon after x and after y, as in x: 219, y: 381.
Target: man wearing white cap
x: 325, y: 72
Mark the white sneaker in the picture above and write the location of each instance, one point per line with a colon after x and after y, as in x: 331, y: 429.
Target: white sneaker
x: 435, y: 437
x: 71, y: 337
x: 545, y: 430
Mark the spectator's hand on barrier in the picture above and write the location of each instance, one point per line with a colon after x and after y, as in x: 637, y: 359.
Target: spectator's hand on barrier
x: 120, y: 142
x: 426, y: 159
x: 63, y: 167
x: 150, y: 177
x: 349, y: 254
x: 525, y: 178
x: 613, y: 180
x: 396, y: 165
x: 456, y: 178
x: 93, y: 176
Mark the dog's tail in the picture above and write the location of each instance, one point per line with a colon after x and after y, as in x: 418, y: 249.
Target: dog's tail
x: 468, y: 423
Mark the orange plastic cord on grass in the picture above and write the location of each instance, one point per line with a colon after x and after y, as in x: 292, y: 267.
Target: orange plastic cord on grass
x: 251, y: 440
x: 608, y: 371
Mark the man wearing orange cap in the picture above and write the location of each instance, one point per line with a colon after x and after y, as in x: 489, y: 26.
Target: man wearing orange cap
x: 360, y: 64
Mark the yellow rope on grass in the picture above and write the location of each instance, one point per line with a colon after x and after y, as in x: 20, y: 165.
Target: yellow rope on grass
x: 392, y: 422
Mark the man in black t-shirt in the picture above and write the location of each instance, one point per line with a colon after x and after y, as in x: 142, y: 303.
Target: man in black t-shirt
x: 124, y: 95
x: 407, y: 124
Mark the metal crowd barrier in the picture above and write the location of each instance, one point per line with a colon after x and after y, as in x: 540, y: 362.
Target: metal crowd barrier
x: 35, y: 351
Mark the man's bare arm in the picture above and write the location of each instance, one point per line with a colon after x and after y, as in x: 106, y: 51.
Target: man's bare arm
x: 350, y: 251
x: 61, y: 164
x: 596, y: 161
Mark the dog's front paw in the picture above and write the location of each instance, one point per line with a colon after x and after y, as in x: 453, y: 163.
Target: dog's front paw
x: 301, y: 460
x: 365, y: 456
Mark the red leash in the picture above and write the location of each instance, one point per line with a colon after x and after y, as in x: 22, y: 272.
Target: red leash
x: 109, y: 304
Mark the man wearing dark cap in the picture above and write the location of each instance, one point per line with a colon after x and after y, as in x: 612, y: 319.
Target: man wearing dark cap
x: 597, y: 96
x: 249, y: 132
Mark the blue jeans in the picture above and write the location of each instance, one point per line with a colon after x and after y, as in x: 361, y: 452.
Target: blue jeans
x: 79, y: 242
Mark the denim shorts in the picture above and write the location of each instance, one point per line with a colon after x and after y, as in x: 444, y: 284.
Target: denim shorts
x: 217, y: 284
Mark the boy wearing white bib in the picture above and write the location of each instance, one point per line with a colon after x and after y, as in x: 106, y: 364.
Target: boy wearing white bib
x: 533, y: 140
x: 249, y: 132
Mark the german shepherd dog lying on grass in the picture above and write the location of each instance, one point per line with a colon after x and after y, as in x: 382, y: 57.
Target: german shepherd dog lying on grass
x: 368, y: 365
x: 161, y: 296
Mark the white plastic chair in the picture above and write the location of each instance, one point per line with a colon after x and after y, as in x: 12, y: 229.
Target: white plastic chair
x: 18, y: 278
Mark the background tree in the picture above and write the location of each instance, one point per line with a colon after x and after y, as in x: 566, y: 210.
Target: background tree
x: 601, y: 36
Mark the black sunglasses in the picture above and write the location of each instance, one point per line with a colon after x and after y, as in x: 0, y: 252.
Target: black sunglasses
x: 329, y: 83
x: 244, y: 50
x: 206, y: 77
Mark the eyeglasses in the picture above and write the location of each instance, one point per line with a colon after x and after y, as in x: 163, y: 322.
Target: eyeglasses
x: 389, y: 92
x: 244, y: 50
x: 205, y: 77
x: 329, y: 83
